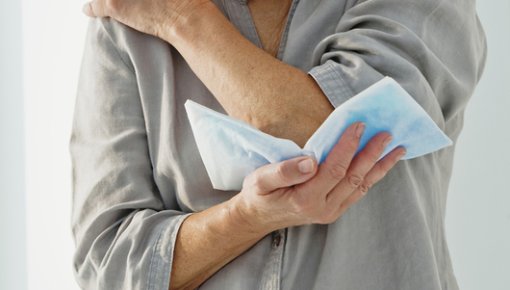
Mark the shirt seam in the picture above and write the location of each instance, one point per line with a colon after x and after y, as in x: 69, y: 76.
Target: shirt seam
x: 332, y: 82
x: 288, y: 23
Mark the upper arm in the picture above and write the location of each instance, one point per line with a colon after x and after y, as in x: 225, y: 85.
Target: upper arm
x: 434, y: 49
x: 124, y: 234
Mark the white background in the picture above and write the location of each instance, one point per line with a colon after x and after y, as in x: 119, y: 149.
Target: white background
x: 478, y: 213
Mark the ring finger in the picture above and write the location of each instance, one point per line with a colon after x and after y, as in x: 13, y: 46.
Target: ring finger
x: 360, y: 166
x: 377, y: 173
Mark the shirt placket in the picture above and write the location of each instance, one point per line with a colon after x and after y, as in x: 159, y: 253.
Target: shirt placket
x: 271, y: 274
x: 239, y: 14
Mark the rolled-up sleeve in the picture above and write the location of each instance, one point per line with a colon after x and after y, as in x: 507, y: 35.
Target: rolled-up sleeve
x: 123, y: 231
x: 435, y: 49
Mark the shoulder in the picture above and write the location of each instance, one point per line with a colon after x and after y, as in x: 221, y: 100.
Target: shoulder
x: 110, y: 35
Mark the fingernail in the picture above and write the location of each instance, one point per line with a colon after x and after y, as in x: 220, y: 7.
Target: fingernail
x: 402, y: 154
x: 305, y: 166
x: 359, y: 129
x: 387, y: 141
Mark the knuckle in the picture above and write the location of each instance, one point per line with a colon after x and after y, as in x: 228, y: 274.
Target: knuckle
x: 299, y: 203
x: 303, y: 204
x: 354, y: 180
x: 111, y: 5
x: 365, y: 186
x: 280, y: 172
x: 306, y: 206
x: 253, y: 181
x: 326, y: 218
x: 322, y: 221
x: 257, y: 184
x: 247, y: 181
x: 338, y: 171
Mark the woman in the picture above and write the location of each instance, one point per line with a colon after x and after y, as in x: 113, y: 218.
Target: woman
x: 145, y: 214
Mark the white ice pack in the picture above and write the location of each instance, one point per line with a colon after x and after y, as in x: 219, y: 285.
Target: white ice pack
x: 231, y: 149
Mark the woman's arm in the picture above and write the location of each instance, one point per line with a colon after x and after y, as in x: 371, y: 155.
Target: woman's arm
x: 250, y: 84
x: 209, y: 239
x: 296, y: 189
x: 128, y: 237
x: 119, y: 219
x: 435, y: 49
x: 413, y: 41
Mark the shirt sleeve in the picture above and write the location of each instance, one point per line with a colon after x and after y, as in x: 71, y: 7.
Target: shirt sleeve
x: 435, y: 49
x: 124, y: 233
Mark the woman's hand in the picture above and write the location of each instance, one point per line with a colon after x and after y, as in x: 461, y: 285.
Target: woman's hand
x: 156, y: 17
x: 297, y: 191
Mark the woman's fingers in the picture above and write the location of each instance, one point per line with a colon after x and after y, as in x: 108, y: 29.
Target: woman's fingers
x: 95, y: 8
x: 360, y: 166
x: 283, y: 174
x: 334, y: 168
x: 378, y: 171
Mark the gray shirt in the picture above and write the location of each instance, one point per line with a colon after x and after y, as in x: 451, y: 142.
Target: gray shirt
x: 137, y: 172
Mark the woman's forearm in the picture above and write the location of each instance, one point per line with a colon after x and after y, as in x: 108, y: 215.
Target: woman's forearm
x: 207, y: 241
x: 290, y: 193
x: 248, y: 82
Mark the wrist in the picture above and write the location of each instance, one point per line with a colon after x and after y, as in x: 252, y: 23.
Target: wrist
x: 246, y: 218
x: 186, y: 27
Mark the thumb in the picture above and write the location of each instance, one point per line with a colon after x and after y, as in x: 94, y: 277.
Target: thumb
x: 283, y: 174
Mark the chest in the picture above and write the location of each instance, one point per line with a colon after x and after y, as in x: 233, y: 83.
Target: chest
x: 180, y: 174
x: 269, y: 18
